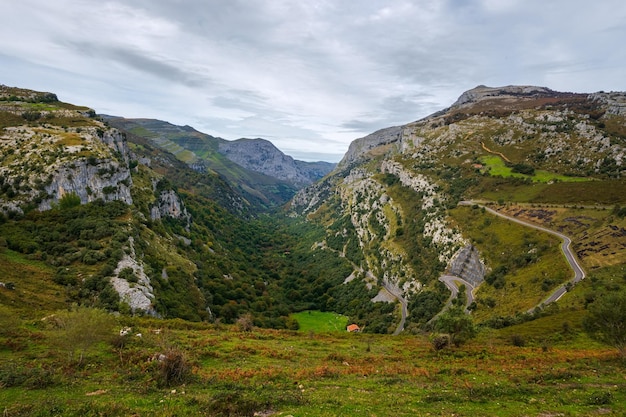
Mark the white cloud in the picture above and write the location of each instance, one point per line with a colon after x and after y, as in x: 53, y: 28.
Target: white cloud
x: 310, y: 76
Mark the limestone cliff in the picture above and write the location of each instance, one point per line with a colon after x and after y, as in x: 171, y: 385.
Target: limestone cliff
x: 41, y: 161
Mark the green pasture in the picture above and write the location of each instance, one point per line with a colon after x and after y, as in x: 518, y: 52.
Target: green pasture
x: 318, y: 321
x: 496, y: 167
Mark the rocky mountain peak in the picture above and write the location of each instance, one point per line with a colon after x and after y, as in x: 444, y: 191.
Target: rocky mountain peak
x: 359, y: 147
x: 483, y: 92
x: 262, y: 156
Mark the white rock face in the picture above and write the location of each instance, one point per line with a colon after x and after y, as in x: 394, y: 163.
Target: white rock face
x: 107, y: 180
x: 169, y: 205
x: 139, y: 295
x: 361, y: 146
x: 445, y: 238
x: 514, y: 91
x: 48, y: 162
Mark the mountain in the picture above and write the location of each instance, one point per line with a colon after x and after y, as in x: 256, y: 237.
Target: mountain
x: 141, y: 216
x: 261, y: 170
x: 391, y: 206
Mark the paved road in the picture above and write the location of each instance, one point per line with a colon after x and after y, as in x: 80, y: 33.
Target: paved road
x: 579, y: 273
x: 397, y: 294
x: 404, y: 308
x: 450, y: 280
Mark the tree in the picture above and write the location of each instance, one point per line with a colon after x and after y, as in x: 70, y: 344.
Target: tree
x: 606, y: 321
x: 457, y: 324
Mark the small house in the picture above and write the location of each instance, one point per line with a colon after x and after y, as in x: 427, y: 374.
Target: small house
x: 352, y: 328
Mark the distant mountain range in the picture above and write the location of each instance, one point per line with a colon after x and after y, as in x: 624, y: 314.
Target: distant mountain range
x: 261, y: 170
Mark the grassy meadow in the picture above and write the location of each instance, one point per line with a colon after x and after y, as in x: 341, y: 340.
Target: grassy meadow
x: 496, y: 167
x: 320, y: 321
x: 225, y: 371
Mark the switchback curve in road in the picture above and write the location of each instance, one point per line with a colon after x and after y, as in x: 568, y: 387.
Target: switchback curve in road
x: 579, y: 273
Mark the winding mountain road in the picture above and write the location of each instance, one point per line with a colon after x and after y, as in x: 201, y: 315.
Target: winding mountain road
x: 579, y: 273
x: 450, y: 282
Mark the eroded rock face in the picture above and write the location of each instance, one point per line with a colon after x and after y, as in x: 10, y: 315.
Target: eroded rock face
x: 443, y: 236
x: 513, y: 91
x: 48, y: 162
x: 169, y: 204
x: 107, y: 180
x: 138, y: 295
x: 615, y: 102
x: 467, y: 264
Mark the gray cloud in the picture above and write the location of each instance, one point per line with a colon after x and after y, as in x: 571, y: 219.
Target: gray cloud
x: 310, y: 76
x: 140, y: 61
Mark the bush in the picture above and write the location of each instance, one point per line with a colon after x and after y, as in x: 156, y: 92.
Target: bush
x: 79, y: 330
x: 68, y: 201
x: 440, y: 341
x: 128, y: 274
x: 457, y: 324
x: 174, y: 368
x: 518, y: 340
x: 600, y: 398
x: 606, y: 321
x: 245, y: 323
x: 31, y: 116
x: 16, y: 375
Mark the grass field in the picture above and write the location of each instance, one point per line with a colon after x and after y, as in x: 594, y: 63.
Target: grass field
x: 318, y: 321
x: 282, y: 373
x: 496, y: 167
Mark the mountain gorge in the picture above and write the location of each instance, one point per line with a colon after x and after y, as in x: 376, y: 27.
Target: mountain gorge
x: 261, y: 171
x: 145, y: 217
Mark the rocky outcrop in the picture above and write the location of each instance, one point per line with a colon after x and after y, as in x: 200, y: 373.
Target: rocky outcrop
x: 512, y: 91
x: 360, y: 147
x: 107, y: 180
x: 614, y: 101
x: 42, y: 163
x: 136, y: 292
x: 443, y: 236
x: 467, y: 264
x: 170, y: 205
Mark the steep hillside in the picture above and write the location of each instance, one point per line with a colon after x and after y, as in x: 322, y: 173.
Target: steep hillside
x: 389, y: 207
x: 263, y: 173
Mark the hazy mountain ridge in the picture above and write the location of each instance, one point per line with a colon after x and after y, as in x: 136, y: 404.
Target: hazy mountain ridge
x: 262, y: 170
x: 262, y: 156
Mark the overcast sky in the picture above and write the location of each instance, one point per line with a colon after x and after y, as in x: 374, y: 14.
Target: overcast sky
x: 310, y: 75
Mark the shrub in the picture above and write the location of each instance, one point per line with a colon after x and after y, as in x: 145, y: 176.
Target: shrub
x: 600, y: 398
x: 31, y: 116
x: 245, y: 323
x: 16, y: 375
x: 79, y: 330
x: 457, y: 324
x: 518, y: 340
x: 128, y: 274
x: 173, y: 368
x: 606, y: 321
x: 440, y: 341
x: 68, y: 201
